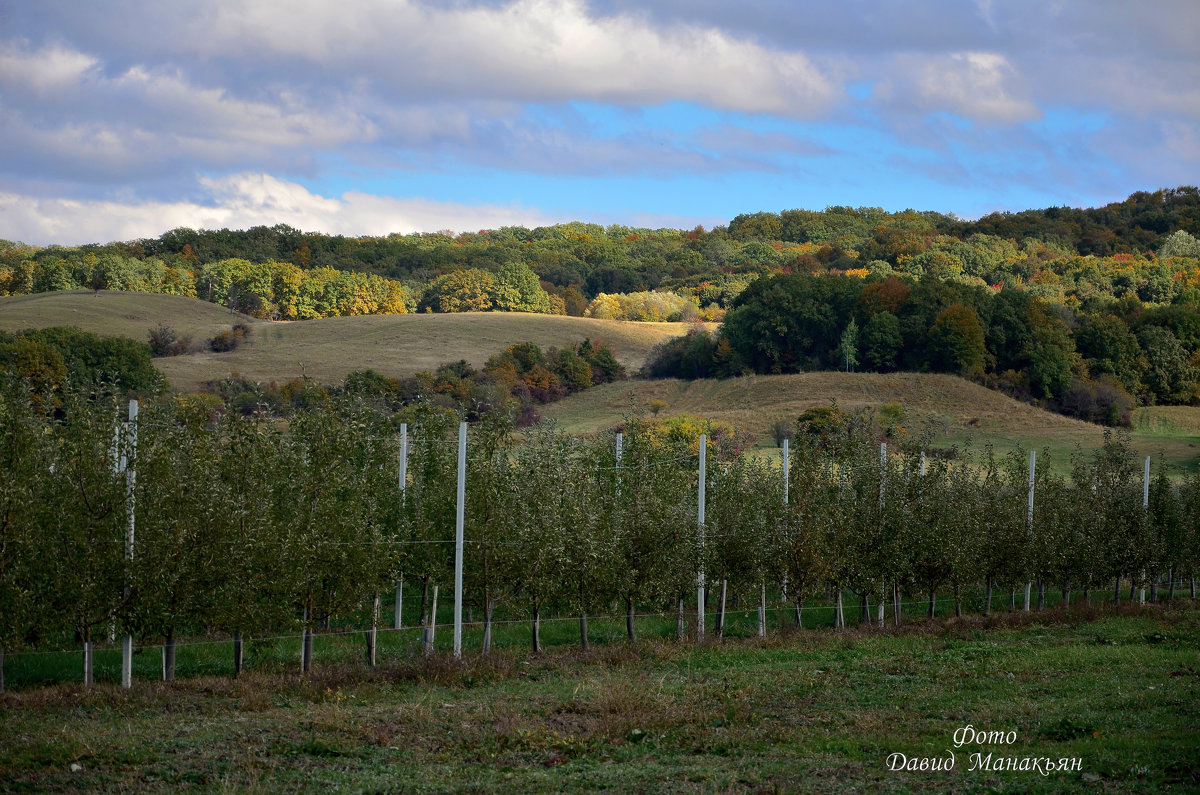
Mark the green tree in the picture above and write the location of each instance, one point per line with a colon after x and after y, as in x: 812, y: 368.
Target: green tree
x: 955, y: 341
x: 470, y: 290
x: 881, y: 341
x: 518, y: 290
x: 1108, y: 346
x: 847, y: 349
x: 1170, y: 378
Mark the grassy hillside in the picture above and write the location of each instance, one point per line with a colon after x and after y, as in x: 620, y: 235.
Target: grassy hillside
x: 325, y: 349
x: 955, y: 410
x: 120, y: 314
x: 404, y: 344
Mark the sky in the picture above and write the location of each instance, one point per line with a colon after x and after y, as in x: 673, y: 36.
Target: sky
x: 122, y: 119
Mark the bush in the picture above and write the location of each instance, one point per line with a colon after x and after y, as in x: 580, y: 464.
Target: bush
x: 165, y: 342
x: 1103, y: 401
x: 230, y: 340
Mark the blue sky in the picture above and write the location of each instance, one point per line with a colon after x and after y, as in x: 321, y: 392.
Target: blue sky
x: 121, y: 119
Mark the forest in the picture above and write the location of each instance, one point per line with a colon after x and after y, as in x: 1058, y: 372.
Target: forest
x: 1089, y: 312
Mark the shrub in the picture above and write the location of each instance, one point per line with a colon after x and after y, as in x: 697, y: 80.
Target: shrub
x: 230, y: 340
x: 164, y: 341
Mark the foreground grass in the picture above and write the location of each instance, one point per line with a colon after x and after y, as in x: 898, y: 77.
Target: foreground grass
x: 810, y: 711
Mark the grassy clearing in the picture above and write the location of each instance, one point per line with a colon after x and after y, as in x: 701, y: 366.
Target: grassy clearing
x: 952, y: 409
x: 810, y: 711
x: 326, y: 349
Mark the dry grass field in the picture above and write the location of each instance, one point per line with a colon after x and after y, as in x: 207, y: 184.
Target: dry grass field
x: 327, y: 349
x: 951, y: 409
x: 954, y: 410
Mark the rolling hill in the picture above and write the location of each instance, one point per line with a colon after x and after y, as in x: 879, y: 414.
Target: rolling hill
x: 326, y: 349
x: 396, y: 345
x: 952, y: 409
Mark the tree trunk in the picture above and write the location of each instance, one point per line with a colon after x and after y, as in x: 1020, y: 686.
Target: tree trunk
x: 799, y: 617
x: 630, y: 627
x: 680, y: 628
x: 839, y: 615
x: 583, y: 638
x: 880, y: 610
x: 307, y: 643
x: 721, y: 610
x: 1154, y: 591
x: 1066, y: 596
x: 169, y: 656
x: 1, y: 670
x: 537, y: 628
x: 487, y: 624
x: 87, y: 656
x: 957, y: 603
x: 1087, y: 594
x: 1171, y: 592
x: 987, y: 597
x: 897, y: 607
x: 372, y: 633
x: 431, y: 623
x: 932, y: 603
x: 1041, y: 600
x: 1028, y: 590
x: 1012, y: 599
x: 762, y: 612
x: 864, y: 603
x: 237, y: 653
x: 424, y: 620
x: 1117, y: 591
x: 399, y: 608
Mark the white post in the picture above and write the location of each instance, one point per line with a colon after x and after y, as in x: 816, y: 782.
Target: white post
x: 458, y: 539
x: 700, y: 522
x: 431, y: 624
x: 1029, y: 516
x: 128, y: 450
x: 1146, y: 518
x: 402, y: 477
x: 786, y: 467
x: 879, y: 613
x: 922, y: 463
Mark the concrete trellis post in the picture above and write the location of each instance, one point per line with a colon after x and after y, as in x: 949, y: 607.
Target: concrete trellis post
x: 402, y: 477
x: 458, y: 538
x: 879, y: 614
x: 700, y: 524
x: 1145, y: 518
x: 1029, y: 517
x: 786, y: 478
x: 125, y: 465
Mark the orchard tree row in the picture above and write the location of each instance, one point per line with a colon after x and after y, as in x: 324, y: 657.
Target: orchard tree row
x: 185, y: 523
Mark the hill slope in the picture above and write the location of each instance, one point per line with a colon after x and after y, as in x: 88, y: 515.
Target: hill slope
x: 326, y: 349
x: 953, y: 409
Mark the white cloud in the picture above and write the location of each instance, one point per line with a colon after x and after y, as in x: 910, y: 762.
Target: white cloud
x: 532, y: 50
x: 981, y: 86
x: 46, y: 70
x: 244, y: 200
